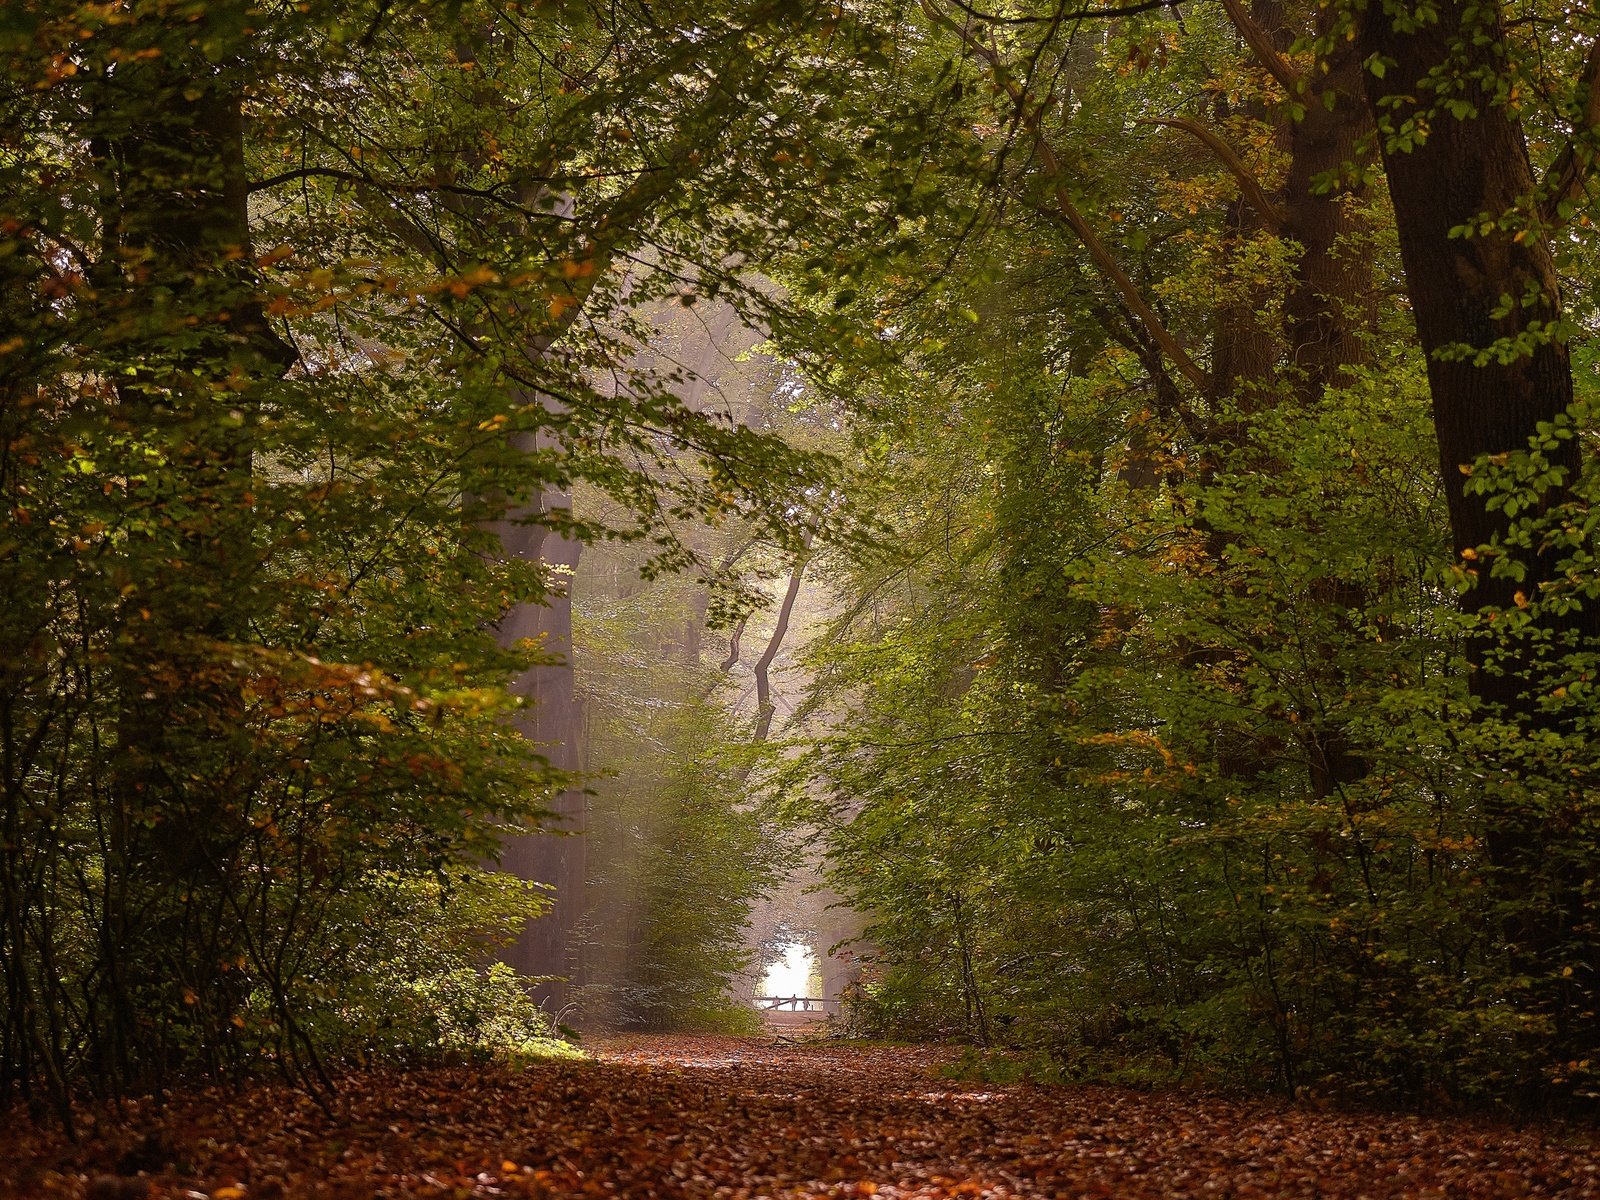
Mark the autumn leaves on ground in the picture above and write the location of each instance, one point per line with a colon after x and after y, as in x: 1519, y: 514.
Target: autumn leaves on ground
x: 723, y: 1117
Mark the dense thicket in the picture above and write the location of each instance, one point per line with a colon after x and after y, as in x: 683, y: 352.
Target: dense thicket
x: 1222, y: 701
x: 301, y: 303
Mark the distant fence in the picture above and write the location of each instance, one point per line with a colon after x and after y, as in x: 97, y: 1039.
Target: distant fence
x: 793, y: 1004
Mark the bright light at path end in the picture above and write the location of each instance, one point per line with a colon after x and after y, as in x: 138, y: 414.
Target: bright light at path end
x: 791, y: 974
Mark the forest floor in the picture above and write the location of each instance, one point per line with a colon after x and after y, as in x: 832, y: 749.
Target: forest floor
x: 736, y: 1117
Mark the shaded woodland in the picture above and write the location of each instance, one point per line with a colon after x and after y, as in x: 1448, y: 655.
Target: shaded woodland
x: 1164, y: 434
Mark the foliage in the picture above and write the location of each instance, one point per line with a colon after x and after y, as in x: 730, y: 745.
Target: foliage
x: 402, y: 975
x: 1166, y: 752
x: 1210, y: 689
x: 301, y: 303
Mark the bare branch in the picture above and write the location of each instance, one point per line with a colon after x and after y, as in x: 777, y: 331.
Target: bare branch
x: 1061, y: 15
x: 494, y: 194
x: 727, y: 664
x: 1248, y: 184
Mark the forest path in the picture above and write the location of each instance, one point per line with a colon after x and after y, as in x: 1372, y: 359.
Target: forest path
x: 732, y: 1117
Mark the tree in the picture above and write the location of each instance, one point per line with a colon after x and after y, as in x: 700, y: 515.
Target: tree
x: 287, y: 287
x: 1197, y: 697
x: 1476, y: 229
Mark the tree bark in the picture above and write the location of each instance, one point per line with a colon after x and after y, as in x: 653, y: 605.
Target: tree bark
x: 180, y: 296
x: 548, y: 948
x: 1476, y: 282
x: 1468, y: 291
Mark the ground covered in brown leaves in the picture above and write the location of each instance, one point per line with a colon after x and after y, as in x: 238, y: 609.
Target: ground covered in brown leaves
x: 725, y: 1117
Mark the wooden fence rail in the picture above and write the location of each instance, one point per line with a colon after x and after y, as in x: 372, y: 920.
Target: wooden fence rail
x: 792, y: 1003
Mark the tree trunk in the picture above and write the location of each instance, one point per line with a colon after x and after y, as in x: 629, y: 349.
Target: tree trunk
x: 180, y: 296
x: 1330, y: 307
x: 548, y: 948
x: 1328, y: 311
x: 1461, y: 287
x: 1446, y: 174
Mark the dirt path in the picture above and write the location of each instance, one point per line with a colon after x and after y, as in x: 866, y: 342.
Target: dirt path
x: 722, y: 1117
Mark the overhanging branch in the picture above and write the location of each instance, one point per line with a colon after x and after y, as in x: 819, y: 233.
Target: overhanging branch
x: 1060, y: 15
x: 1260, y: 43
x: 1104, y: 260
x: 1248, y: 184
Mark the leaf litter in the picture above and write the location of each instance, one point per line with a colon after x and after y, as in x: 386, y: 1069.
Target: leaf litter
x: 741, y: 1119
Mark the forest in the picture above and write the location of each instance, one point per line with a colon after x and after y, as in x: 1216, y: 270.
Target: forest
x: 491, y: 489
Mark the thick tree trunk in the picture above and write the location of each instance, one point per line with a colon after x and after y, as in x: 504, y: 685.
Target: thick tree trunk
x: 549, y: 948
x: 1330, y: 306
x: 1488, y: 288
x: 1469, y: 291
x: 180, y: 295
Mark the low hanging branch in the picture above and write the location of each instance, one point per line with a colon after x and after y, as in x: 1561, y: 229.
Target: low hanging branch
x: 1102, y: 256
x: 1249, y: 186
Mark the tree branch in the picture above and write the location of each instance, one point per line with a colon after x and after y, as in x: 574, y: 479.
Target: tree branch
x: 1260, y: 43
x: 1112, y: 270
x: 494, y: 194
x: 727, y: 664
x: 765, y: 709
x: 1248, y: 184
x: 1102, y: 256
x: 1059, y: 16
x: 1568, y: 176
